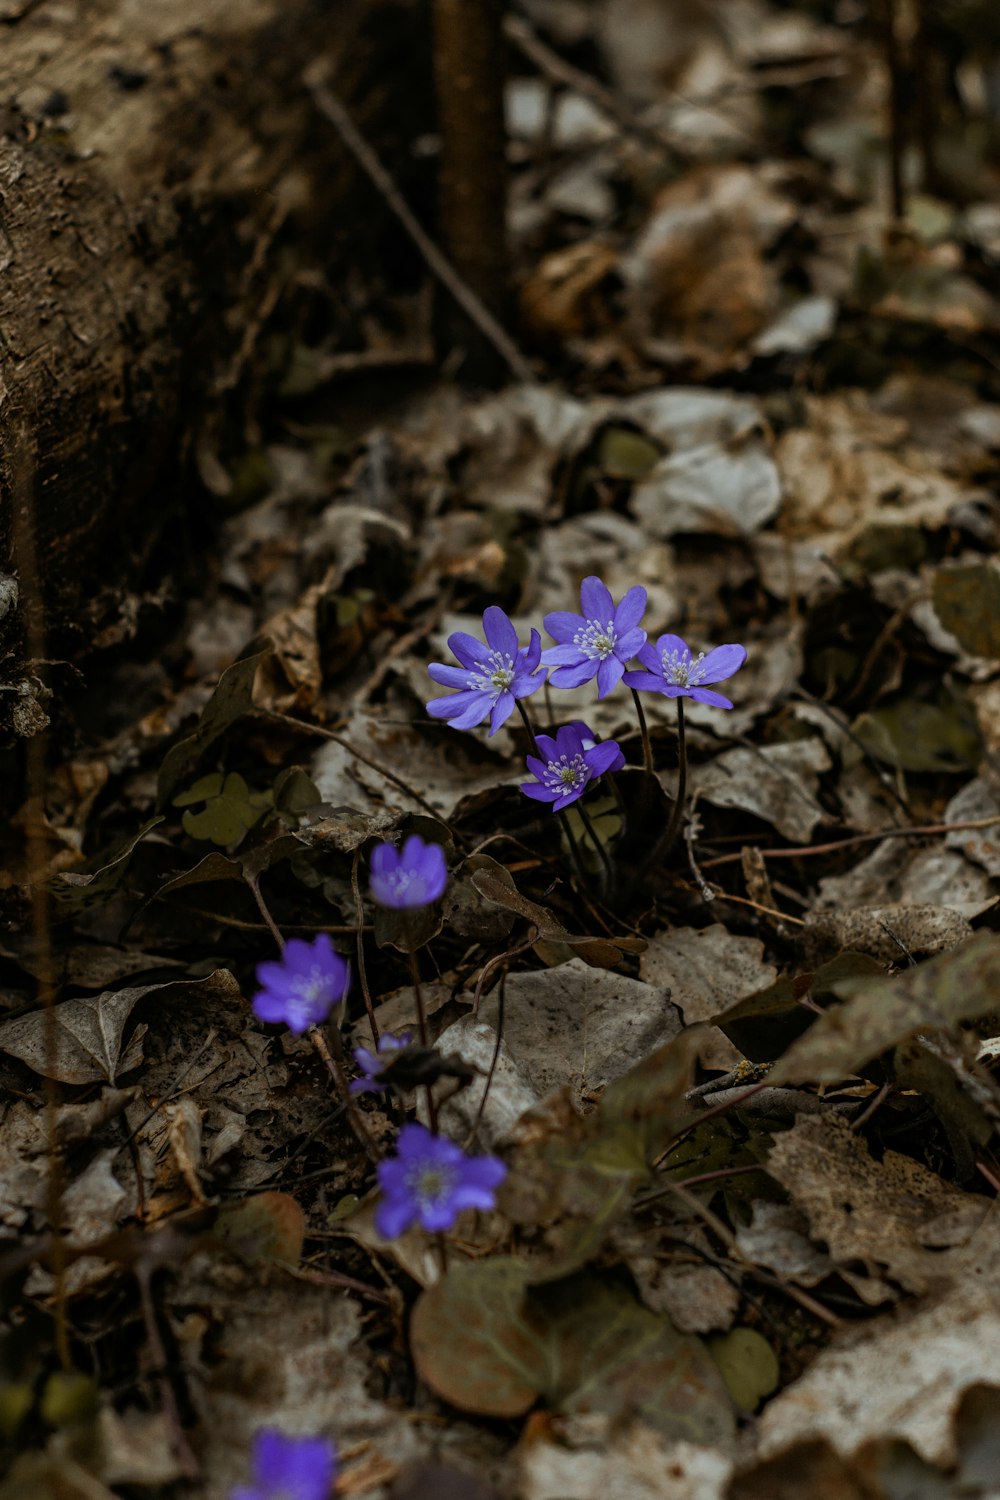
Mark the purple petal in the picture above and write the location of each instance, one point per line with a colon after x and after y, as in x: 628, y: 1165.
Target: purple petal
x: 535, y: 766
x: 270, y: 1007
x: 532, y: 653
x: 523, y: 687
x: 453, y: 677
x: 546, y: 745
x: 722, y: 663
x: 705, y: 695
x: 456, y: 704
x: 299, y: 956
x: 562, y: 656
x: 394, y: 1216
x: 569, y: 741
x: 670, y: 644
x: 469, y: 651
x: 299, y: 1467
x: 630, y: 644
x: 500, y: 633
x: 609, y: 675
x: 411, y: 1145
x: 649, y: 682
x: 501, y: 711
x: 604, y: 757
x: 563, y: 626
x: 595, y: 600
x: 630, y: 610
x: 272, y: 976
x: 650, y: 657
x: 573, y: 677
x: 484, y: 1172
x: 567, y: 798
x: 411, y: 854
x: 474, y: 713
x: 384, y: 860
x: 434, y: 1217
x: 537, y: 792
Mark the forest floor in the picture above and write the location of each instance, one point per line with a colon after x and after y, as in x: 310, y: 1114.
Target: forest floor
x: 743, y: 1086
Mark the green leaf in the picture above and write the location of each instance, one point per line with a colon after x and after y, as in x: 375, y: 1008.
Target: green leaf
x: 69, y: 1397
x: 747, y: 1364
x: 624, y: 453
x: 486, y: 1341
x: 880, y: 1013
x: 915, y: 736
x: 764, y: 1025
x: 269, y: 1226
x: 575, y: 1178
x: 474, y: 1342
x: 230, y: 810
x: 75, y: 890
x: 231, y: 701
x: 967, y: 602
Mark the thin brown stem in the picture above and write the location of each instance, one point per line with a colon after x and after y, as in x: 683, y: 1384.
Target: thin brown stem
x: 647, y: 745
x: 424, y: 1034
x: 334, y: 1064
x: 272, y: 926
x: 359, y: 912
x: 330, y: 106
x: 803, y: 851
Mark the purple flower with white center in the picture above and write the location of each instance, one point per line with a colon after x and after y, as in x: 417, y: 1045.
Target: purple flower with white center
x: 572, y: 761
x: 289, y: 1468
x: 672, y: 668
x: 600, y: 642
x: 372, y: 1064
x: 303, y: 988
x: 492, y: 676
x: 415, y: 875
x: 430, y: 1181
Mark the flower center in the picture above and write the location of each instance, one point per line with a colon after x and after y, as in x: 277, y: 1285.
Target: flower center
x: 308, y: 990
x: 681, y: 669
x: 596, y: 640
x: 564, y: 775
x: 496, y: 676
x: 429, y: 1184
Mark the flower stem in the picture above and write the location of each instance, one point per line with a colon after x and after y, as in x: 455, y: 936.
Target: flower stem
x: 424, y: 1038
x: 663, y: 845
x: 362, y: 973
x: 335, y: 1067
x: 647, y: 747
x: 529, y: 727
x: 272, y: 925
x: 592, y: 834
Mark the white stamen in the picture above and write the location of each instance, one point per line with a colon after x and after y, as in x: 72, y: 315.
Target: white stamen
x: 597, y: 640
x: 564, y: 775
x: 681, y: 669
x: 495, y: 676
x: 429, y: 1183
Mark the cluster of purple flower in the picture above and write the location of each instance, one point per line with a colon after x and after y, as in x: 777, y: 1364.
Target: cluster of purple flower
x: 597, y: 643
x: 430, y: 1181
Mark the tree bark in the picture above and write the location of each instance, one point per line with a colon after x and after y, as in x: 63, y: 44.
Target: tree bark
x: 149, y: 150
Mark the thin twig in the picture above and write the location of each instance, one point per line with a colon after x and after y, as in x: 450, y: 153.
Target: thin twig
x: 330, y: 106
x: 803, y: 851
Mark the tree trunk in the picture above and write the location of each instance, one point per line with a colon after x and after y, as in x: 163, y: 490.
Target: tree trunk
x: 149, y: 149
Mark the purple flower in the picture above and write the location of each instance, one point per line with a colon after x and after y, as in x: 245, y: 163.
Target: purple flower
x: 600, y: 642
x: 304, y: 987
x: 371, y: 1064
x: 289, y: 1468
x: 491, y: 677
x: 412, y: 876
x: 430, y: 1179
x: 572, y: 760
x: 672, y: 669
